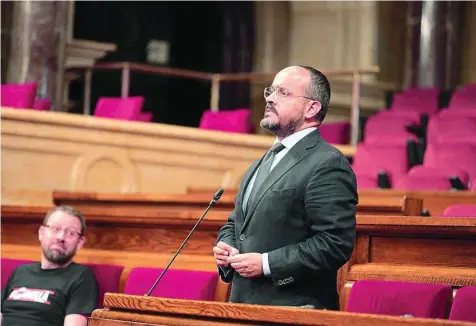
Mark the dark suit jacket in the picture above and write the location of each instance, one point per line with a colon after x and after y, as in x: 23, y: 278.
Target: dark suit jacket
x: 303, y: 216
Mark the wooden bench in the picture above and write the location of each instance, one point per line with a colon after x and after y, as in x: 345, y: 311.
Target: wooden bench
x: 414, y: 249
x: 435, y: 202
x: 137, y: 310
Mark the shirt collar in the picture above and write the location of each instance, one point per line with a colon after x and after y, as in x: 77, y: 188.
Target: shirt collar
x: 292, y: 140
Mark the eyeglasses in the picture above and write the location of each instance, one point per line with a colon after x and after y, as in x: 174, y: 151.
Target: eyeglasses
x: 69, y: 232
x: 281, y: 93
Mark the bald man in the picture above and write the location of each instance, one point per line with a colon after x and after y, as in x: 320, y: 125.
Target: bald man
x: 293, y: 225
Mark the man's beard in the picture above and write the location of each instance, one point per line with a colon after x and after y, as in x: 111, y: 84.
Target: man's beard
x: 56, y: 257
x: 282, y: 130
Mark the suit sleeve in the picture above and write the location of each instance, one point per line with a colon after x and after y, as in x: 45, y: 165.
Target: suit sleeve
x: 330, y: 204
x: 227, y: 235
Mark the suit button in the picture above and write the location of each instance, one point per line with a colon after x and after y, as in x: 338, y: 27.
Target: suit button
x: 242, y: 237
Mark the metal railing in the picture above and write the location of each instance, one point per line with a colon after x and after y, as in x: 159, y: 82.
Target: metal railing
x: 216, y: 79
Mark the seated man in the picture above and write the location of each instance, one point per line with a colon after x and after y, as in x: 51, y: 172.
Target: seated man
x: 55, y: 291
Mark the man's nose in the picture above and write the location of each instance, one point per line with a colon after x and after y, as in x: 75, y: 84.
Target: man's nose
x: 61, y: 235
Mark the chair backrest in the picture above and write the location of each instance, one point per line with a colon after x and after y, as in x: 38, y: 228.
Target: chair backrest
x: 464, y: 304
x: 145, y: 116
x: 42, y: 104
x: 119, y: 108
x: 389, y: 127
x: 399, y: 298
x: 176, y: 284
x: 236, y: 121
x: 8, y: 265
x: 461, y: 210
x: 464, y: 98
x: 20, y: 96
x: 107, y: 277
x: 422, y: 100
x: 336, y: 132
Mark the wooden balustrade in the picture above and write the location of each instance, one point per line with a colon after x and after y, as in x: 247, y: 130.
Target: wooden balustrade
x: 138, y: 310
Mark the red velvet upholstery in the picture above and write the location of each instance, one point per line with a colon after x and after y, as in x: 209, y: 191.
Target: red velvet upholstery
x: 107, y: 277
x: 9, y: 265
x: 20, y: 96
x: 399, y: 298
x: 177, y: 284
x: 119, y: 108
x: 235, y: 121
x: 464, y: 305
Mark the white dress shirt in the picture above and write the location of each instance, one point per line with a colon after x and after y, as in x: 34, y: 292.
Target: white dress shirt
x: 288, y: 143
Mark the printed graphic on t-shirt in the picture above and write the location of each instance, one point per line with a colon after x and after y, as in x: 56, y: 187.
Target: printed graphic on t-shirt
x: 31, y: 295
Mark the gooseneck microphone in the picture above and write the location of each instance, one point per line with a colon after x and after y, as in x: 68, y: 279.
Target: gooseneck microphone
x: 216, y: 196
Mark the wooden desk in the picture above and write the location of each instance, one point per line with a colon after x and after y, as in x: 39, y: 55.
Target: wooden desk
x: 138, y: 310
x: 433, y: 201
x: 193, y: 205
x: 415, y: 249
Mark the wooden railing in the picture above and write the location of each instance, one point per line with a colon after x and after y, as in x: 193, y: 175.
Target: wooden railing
x: 216, y: 78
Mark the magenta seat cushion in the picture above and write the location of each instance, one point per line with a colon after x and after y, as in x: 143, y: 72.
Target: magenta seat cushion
x: 119, y: 108
x: 237, y: 121
x: 21, y: 96
x: 464, y: 305
x: 176, y: 284
x: 107, y: 277
x: 8, y: 265
x: 399, y: 298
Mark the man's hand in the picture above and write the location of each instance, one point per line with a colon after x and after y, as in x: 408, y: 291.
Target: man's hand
x: 222, y: 251
x: 247, y: 265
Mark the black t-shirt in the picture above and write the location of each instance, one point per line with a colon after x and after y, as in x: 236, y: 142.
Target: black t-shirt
x: 36, y: 296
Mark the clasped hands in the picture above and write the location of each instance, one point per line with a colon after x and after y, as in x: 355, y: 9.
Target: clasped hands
x: 248, y: 265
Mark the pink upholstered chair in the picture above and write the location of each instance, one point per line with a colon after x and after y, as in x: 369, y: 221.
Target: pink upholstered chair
x: 176, y: 284
x: 20, y: 96
x: 119, y: 108
x: 9, y: 265
x: 336, y: 132
x: 463, y: 308
x: 236, y: 121
x: 107, y: 277
x: 461, y: 210
x: 42, y: 104
x: 399, y: 298
x: 145, y: 117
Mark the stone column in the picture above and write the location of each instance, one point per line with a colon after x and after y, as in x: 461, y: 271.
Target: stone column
x: 37, y: 50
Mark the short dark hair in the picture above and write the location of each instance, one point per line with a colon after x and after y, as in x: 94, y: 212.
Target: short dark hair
x: 319, y: 90
x: 68, y: 210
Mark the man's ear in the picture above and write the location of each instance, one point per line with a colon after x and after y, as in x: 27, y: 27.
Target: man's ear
x: 81, y: 242
x: 313, y: 110
x: 41, y: 232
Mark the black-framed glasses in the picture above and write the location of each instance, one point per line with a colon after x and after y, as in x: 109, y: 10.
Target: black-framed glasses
x: 281, y: 93
x: 69, y: 232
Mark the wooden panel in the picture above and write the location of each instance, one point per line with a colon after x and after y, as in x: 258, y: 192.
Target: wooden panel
x: 433, y: 201
x: 444, y: 252
x: 106, y: 155
x: 159, y: 311
x: 147, y: 205
x: 412, y: 249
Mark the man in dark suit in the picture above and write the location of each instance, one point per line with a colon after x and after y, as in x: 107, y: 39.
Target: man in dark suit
x: 293, y: 225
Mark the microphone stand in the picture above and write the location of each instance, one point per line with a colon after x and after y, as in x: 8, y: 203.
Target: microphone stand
x: 216, y: 196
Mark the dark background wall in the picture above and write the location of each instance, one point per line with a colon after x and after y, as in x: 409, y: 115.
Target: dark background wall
x: 203, y: 36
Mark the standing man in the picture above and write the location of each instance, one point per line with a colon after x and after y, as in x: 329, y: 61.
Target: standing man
x: 293, y: 225
x: 55, y: 291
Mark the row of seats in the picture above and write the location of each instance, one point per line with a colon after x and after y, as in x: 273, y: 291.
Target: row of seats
x: 367, y: 296
x: 178, y: 284
x: 413, y: 145
x: 419, y: 300
x: 23, y: 96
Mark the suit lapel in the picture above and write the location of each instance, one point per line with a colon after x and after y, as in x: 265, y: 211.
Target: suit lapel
x: 247, y: 179
x: 293, y: 157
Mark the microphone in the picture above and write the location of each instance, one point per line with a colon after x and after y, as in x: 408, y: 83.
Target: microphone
x: 216, y: 197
